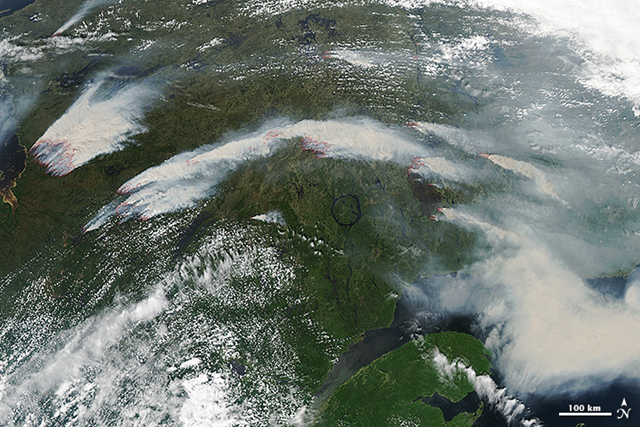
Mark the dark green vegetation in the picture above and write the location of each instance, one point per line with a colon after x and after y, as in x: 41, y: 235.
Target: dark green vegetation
x: 355, y: 229
x: 389, y: 391
x: 282, y: 70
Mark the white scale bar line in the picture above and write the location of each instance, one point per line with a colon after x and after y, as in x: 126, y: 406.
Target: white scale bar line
x: 585, y: 414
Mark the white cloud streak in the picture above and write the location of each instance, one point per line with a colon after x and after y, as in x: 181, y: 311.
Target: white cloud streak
x: 511, y: 408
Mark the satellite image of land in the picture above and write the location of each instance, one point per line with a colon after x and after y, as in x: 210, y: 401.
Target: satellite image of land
x: 319, y: 213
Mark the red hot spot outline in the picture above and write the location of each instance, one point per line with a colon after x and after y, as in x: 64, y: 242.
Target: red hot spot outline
x: 55, y: 155
x: 416, y: 164
x: 318, y: 148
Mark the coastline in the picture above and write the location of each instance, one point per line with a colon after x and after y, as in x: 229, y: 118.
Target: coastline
x: 14, y: 6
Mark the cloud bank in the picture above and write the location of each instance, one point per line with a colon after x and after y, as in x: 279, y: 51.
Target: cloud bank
x: 511, y: 408
x: 84, y: 368
x: 606, y: 36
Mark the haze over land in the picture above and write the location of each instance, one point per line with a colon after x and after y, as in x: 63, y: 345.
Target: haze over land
x: 222, y: 197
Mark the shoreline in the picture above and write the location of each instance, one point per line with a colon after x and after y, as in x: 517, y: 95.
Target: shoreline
x: 14, y: 6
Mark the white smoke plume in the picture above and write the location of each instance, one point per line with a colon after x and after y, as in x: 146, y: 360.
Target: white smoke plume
x: 524, y: 169
x: 463, y: 139
x: 550, y: 329
x: 547, y: 328
x: 95, y: 124
x: 474, y: 143
x: 7, y: 123
x: 353, y: 57
x: 273, y: 217
x: 440, y: 167
x: 183, y: 180
x: 83, y: 11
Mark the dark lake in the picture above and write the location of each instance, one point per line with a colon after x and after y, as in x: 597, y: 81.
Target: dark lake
x: 604, y: 400
x: 7, y: 7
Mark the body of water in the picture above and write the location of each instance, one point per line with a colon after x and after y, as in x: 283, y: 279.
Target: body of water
x: 521, y: 120
x: 7, y: 7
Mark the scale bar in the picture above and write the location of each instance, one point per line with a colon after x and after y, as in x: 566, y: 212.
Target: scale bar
x: 585, y: 414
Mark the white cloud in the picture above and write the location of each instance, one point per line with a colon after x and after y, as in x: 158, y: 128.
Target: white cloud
x: 606, y: 35
x: 498, y: 398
